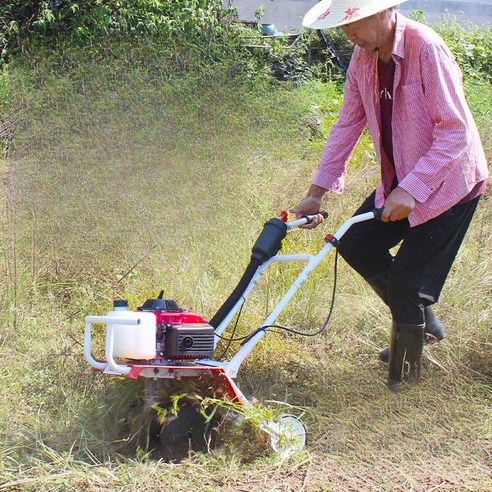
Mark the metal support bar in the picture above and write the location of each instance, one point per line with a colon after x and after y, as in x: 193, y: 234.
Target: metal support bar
x: 233, y: 367
x: 254, y: 281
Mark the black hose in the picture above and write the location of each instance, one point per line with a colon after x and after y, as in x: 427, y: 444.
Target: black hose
x: 267, y: 245
x: 236, y: 293
x: 332, y: 49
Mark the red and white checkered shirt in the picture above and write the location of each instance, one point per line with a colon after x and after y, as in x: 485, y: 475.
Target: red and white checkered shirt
x: 437, y: 151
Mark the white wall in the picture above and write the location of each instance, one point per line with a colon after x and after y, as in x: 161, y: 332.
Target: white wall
x: 287, y: 14
x: 477, y: 11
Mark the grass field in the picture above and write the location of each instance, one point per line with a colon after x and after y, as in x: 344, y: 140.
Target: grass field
x: 121, y: 182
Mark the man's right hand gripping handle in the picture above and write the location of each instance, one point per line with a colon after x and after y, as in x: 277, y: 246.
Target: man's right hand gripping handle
x: 310, y: 205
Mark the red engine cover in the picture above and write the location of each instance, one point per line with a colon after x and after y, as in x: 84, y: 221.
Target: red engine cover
x: 178, y: 318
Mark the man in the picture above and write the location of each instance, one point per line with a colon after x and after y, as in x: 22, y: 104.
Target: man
x: 404, y: 84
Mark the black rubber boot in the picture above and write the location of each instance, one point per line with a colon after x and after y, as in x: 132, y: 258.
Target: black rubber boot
x: 405, y: 354
x: 434, y: 330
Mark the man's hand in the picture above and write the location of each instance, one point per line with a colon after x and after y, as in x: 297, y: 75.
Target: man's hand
x: 398, y: 205
x: 310, y: 205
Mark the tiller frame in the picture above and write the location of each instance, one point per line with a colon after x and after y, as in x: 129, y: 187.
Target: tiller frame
x: 223, y: 373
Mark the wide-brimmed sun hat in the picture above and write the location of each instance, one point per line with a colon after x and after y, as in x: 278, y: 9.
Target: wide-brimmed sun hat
x: 335, y: 13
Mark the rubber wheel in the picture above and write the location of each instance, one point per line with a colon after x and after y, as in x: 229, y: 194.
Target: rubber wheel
x: 290, y: 435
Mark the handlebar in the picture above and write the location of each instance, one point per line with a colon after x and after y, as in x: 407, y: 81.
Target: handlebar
x: 378, y: 212
x: 307, y: 219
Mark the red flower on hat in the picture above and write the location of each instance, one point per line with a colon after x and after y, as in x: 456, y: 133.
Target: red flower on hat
x: 324, y: 15
x: 350, y: 13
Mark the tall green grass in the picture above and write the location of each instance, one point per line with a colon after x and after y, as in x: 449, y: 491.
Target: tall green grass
x: 124, y: 180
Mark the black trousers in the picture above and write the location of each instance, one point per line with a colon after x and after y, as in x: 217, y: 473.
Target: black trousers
x: 416, y: 274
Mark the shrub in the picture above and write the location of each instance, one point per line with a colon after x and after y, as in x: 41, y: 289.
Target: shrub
x: 25, y: 22
x: 471, y: 45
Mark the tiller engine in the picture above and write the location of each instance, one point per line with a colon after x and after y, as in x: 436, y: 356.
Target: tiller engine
x: 172, y: 348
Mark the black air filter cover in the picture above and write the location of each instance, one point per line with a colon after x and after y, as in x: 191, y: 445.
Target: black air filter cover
x: 160, y: 305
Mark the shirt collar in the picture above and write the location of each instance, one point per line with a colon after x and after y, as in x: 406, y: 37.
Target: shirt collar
x: 399, y: 42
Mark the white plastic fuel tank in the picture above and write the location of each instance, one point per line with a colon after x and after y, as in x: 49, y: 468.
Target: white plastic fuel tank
x: 133, y: 341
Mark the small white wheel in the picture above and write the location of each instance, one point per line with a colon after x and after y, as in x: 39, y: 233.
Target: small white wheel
x: 288, y: 434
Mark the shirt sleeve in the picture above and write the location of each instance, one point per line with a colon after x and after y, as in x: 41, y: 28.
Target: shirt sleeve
x: 445, y: 103
x: 343, y: 137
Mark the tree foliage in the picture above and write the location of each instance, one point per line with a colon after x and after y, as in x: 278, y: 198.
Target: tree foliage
x: 22, y: 21
x: 471, y: 45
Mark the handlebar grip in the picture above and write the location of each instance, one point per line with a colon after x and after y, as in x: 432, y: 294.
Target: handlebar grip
x: 309, y: 218
x: 378, y: 212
